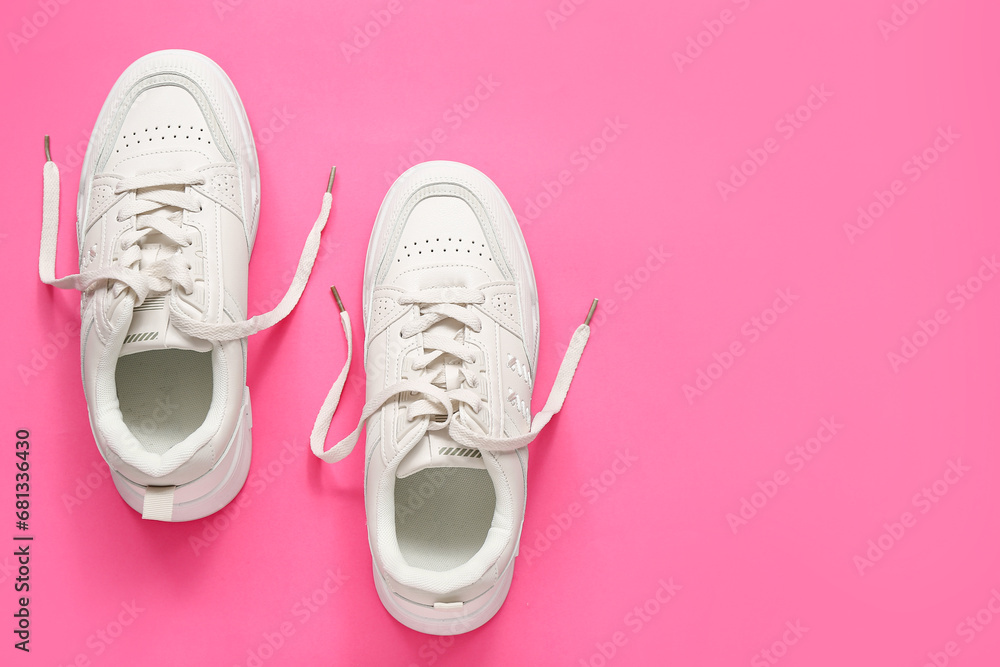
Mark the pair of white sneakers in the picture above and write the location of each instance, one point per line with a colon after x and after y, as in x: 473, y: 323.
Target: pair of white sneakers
x: 167, y: 215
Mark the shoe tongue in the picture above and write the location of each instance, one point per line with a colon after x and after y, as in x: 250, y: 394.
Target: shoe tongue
x: 437, y: 450
x: 150, y: 328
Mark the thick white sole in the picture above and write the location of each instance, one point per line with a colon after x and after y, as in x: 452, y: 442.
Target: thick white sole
x: 213, y: 490
x: 447, y: 621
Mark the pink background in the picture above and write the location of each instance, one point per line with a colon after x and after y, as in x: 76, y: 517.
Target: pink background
x: 666, y: 517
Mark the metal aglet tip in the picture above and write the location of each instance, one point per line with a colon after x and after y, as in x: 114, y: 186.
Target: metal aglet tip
x: 336, y: 295
x: 593, y: 307
x: 48, y: 154
x: 329, y: 184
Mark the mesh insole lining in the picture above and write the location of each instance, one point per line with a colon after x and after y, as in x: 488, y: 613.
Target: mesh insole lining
x: 443, y: 516
x: 164, y: 395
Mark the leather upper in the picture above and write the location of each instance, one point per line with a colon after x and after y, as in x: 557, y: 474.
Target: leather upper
x: 169, y: 111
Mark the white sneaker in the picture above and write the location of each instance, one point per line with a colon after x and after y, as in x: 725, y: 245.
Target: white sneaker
x: 451, y: 343
x: 166, y: 218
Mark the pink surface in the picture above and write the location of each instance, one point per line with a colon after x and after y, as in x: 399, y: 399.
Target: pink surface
x: 808, y: 494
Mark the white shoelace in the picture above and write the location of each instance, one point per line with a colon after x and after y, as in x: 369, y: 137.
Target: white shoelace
x: 436, y: 305
x: 153, y: 193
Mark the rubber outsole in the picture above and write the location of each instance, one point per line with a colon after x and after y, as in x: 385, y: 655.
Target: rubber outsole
x: 445, y: 621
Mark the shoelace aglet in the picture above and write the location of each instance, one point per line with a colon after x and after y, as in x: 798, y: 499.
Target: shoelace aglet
x: 593, y: 307
x: 329, y: 184
x: 48, y: 154
x: 336, y: 295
